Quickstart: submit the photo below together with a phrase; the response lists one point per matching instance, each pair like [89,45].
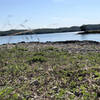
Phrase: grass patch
[49,73]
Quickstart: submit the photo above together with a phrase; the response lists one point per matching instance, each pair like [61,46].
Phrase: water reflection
[49,37]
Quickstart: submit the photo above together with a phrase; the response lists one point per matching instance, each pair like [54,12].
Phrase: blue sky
[48,13]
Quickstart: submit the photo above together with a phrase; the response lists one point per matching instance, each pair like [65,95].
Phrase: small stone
[55,88]
[22,78]
[35,82]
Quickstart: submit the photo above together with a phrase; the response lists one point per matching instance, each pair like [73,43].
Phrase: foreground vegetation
[48,73]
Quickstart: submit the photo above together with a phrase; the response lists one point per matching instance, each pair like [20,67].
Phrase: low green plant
[38,59]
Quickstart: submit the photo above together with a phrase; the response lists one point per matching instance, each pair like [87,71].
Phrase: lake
[49,37]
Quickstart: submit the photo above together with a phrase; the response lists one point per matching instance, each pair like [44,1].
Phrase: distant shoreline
[40,31]
[90,32]
[85,29]
[57,42]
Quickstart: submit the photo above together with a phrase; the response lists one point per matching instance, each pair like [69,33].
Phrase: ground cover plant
[48,73]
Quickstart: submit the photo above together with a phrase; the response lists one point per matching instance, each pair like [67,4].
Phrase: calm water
[49,37]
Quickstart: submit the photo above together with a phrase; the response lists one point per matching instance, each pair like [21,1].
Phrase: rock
[35,82]
[22,78]
[2,83]
[55,88]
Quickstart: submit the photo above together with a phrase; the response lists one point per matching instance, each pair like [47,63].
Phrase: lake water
[49,37]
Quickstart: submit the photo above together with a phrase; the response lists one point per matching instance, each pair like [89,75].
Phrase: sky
[31,14]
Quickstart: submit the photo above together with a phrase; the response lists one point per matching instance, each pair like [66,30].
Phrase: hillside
[40,31]
[86,29]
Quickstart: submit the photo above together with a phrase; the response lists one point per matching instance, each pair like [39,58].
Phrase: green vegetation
[48,73]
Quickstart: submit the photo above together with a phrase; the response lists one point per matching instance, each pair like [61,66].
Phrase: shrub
[38,59]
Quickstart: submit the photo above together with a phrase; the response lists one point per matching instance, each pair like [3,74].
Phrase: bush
[38,59]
